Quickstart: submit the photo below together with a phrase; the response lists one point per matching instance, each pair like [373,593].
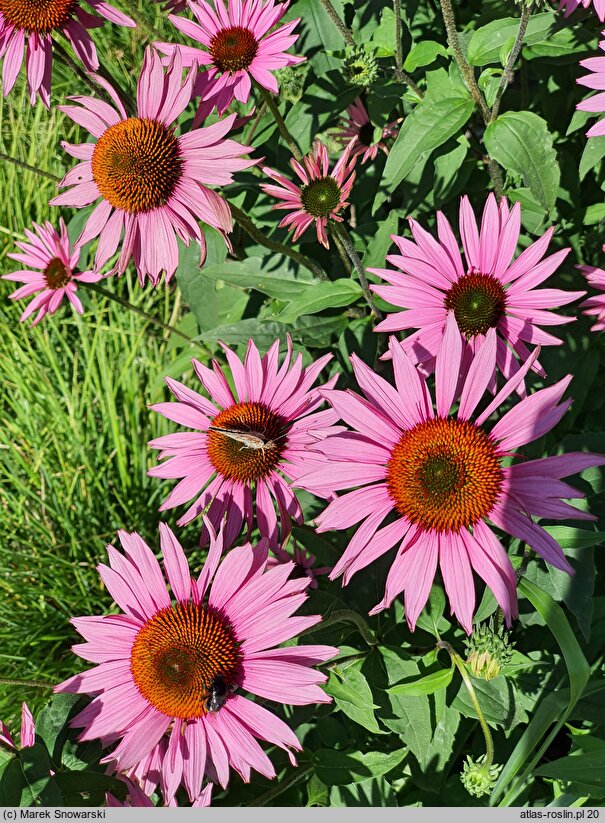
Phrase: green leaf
[429,125]
[77,756]
[353,696]
[497,699]
[423,54]
[583,770]
[251,274]
[486,42]
[321,296]
[380,242]
[87,788]
[554,617]
[521,143]
[262,332]
[376,791]
[429,684]
[41,789]
[431,618]
[593,153]
[341,768]
[51,723]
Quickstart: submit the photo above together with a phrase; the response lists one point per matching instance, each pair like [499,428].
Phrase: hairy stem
[34,684]
[333,15]
[279,248]
[400,75]
[255,123]
[35,169]
[459,663]
[281,125]
[149,317]
[512,59]
[340,231]
[463,64]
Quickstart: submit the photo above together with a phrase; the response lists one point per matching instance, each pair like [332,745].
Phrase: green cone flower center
[478,302]
[320,197]
[56,274]
[233,49]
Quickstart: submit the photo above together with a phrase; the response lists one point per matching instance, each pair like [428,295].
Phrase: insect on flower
[250,439]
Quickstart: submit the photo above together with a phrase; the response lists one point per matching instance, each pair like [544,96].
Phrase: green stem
[463,64]
[281,125]
[400,75]
[507,76]
[35,169]
[459,663]
[341,232]
[333,15]
[496,178]
[275,791]
[34,684]
[149,317]
[254,125]
[279,248]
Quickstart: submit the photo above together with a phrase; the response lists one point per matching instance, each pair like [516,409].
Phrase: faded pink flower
[486,290]
[595,80]
[304,563]
[55,277]
[321,196]
[238,44]
[447,479]
[219,468]
[357,124]
[23,22]
[170,668]
[153,184]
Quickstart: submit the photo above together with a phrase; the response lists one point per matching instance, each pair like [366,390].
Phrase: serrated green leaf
[521,143]
[429,684]
[353,696]
[341,768]
[51,723]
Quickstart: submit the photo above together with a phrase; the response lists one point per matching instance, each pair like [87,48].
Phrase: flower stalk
[343,235]
[281,124]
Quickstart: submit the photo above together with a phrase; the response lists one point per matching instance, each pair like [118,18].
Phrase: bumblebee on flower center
[234,48]
[320,197]
[444,474]
[136,165]
[40,16]
[246,441]
[178,655]
[478,302]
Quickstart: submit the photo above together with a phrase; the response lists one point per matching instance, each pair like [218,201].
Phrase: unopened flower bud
[477,778]
[488,651]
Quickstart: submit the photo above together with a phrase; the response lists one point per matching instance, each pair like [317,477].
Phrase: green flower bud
[477,778]
[488,651]
[361,67]
[291,82]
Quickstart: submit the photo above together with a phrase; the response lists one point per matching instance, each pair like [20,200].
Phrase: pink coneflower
[153,184]
[237,45]
[170,667]
[55,277]
[304,563]
[28,731]
[442,477]
[595,306]
[570,6]
[323,192]
[595,80]
[34,22]
[259,433]
[357,124]
[484,291]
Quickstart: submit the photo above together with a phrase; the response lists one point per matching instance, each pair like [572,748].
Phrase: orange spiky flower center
[137,164]
[40,16]
[56,274]
[478,302]
[444,474]
[233,49]
[251,443]
[179,653]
